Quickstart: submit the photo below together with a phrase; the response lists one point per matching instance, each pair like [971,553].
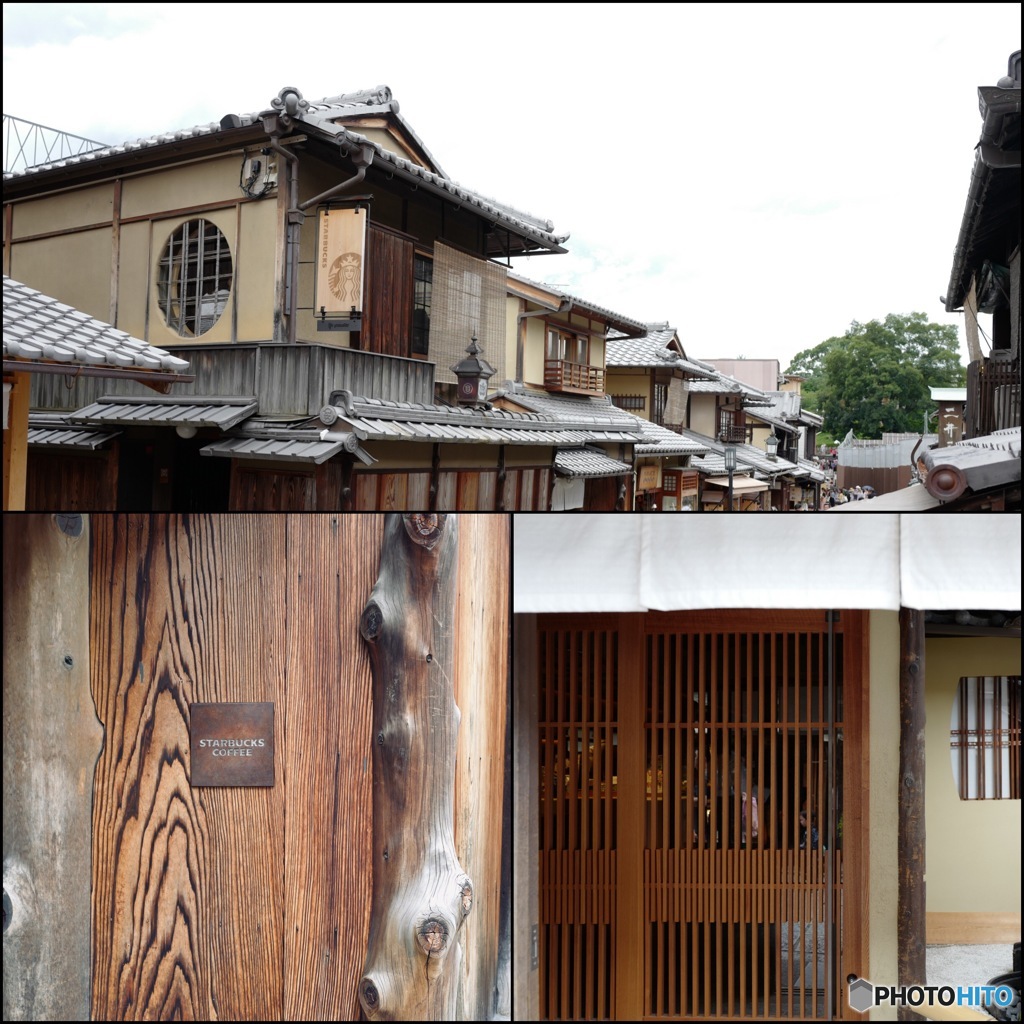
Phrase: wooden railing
[993,397]
[561,375]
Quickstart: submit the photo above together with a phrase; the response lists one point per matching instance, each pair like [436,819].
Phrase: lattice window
[660,401]
[634,403]
[985,738]
[195,274]
[423,286]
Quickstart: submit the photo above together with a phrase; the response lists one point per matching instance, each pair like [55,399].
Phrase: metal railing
[27,144]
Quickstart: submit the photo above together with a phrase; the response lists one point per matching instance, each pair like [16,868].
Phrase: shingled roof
[322,119]
[43,335]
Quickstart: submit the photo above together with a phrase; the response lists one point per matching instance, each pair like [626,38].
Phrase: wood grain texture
[421,894]
[330,566]
[187,895]
[248,903]
[238,902]
[481,656]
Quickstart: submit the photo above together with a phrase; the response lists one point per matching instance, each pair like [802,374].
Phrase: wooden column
[911,833]
[16,441]
[526,838]
[421,895]
[51,740]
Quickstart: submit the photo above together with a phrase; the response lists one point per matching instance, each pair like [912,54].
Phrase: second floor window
[423,286]
[195,278]
[567,346]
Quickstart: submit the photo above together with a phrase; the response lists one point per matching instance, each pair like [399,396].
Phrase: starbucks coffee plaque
[232,744]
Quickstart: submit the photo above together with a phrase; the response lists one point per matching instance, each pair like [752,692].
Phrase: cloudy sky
[758,175]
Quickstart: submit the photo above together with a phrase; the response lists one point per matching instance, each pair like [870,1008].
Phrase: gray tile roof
[597,412]
[660,440]
[747,456]
[201,412]
[589,463]
[602,311]
[717,386]
[42,334]
[652,351]
[374,419]
[319,117]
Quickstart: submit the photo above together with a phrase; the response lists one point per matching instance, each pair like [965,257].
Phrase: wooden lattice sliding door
[698,773]
[578,697]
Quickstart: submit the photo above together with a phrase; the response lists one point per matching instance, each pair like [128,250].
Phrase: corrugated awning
[62,437]
[739,483]
[588,462]
[220,412]
[274,449]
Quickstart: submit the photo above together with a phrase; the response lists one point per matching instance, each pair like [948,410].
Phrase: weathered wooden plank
[481,668]
[187,898]
[330,567]
[51,740]
[910,912]
[421,893]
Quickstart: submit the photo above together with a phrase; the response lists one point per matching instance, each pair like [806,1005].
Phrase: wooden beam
[16,441]
[974,353]
[910,914]
[421,894]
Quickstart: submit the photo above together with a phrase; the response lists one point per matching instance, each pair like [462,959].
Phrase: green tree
[875,378]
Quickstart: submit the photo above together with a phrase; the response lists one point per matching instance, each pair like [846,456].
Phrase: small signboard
[341,257]
[232,744]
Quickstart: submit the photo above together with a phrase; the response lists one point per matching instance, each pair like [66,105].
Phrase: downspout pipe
[362,157]
[294,224]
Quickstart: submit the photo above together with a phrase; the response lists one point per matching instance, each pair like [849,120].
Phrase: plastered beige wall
[702,414]
[64,211]
[533,351]
[182,187]
[973,846]
[73,268]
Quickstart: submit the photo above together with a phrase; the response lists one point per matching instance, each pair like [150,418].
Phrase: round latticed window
[195,278]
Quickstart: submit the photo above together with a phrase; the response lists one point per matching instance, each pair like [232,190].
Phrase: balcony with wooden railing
[736,433]
[993,397]
[576,378]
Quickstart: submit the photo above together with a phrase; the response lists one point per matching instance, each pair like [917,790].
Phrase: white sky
[757,175]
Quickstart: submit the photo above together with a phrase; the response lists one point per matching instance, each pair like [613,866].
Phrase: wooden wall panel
[254,903]
[481,659]
[387,313]
[329,568]
[187,891]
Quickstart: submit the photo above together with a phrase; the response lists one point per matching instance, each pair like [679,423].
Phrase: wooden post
[421,895]
[51,740]
[911,834]
[526,835]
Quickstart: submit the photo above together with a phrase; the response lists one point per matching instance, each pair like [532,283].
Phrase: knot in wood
[373,622]
[425,529]
[370,995]
[467,896]
[433,937]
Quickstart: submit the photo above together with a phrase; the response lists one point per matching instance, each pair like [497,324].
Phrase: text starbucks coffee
[232,747]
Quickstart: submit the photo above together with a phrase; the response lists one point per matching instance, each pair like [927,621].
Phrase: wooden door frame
[631,628]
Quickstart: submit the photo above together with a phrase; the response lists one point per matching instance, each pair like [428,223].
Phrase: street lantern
[771,446]
[473,373]
[730,468]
